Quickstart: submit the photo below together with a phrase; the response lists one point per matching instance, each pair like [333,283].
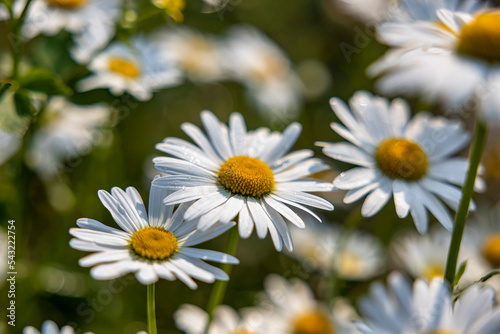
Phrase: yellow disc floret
[124,67]
[491,249]
[481,37]
[67,4]
[154,243]
[313,323]
[246,176]
[402,159]
[433,270]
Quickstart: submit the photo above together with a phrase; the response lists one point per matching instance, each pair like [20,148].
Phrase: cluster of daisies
[231,178]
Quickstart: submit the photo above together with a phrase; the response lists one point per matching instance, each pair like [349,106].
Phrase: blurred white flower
[454,60]
[427,309]
[215,5]
[138,69]
[50,327]
[152,244]
[424,256]
[198,55]
[408,159]
[258,63]
[193,320]
[353,256]
[67,131]
[9,144]
[290,307]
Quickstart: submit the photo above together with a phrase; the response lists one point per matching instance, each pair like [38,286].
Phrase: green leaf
[460,273]
[23,104]
[10,120]
[4,86]
[41,80]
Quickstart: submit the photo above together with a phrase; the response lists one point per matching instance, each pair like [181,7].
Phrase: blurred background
[329,48]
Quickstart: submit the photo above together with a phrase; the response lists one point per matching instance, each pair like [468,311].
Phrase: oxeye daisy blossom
[290,307]
[427,308]
[409,159]
[154,244]
[354,256]
[233,172]
[454,60]
[193,320]
[138,69]
[50,327]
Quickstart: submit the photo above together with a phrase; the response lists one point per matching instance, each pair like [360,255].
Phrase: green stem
[151,310]
[16,39]
[220,287]
[463,209]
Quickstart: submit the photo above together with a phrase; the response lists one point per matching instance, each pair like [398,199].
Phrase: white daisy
[258,63]
[50,327]
[357,256]
[290,307]
[198,55]
[9,145]
[454,60]
[68,131]
[233,172]
[410,159]
[138,69]
[193,320]
[425,256]
[52,16]
[154,245]
[427,309]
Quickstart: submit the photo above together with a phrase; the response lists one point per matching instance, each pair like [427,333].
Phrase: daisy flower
[232,172]
[173,8]
[357,256]
[425,256]
[138,69]
[50,327]
[9,144]
[91,20]
[193,320]
[259,64]
[198,55]
[454,60]
[154,245]
[408,159]
[290,307]
[68,131]
[428,308]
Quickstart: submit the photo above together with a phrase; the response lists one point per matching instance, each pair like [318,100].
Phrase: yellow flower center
[433,270]
[313,323]
[195,49]
[350,264]
[246,176]
[402,159]
[491,249]
[154,243]
[67,4]
[481,37]
[271,67]
[124,67]
[173,8]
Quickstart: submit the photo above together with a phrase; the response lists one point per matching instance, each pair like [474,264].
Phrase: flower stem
[16,39]
[151,309]
[219,289]
[463,209]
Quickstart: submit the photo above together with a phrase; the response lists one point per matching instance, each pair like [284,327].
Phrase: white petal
[103,257]
[147,274]
[218,134]
[285,211]
[259,216]
[99,237]
[355,178]
[190,194]
[245,222]
[205,204]
[305,198]
[237,133]
[348,153]
[402,198]
[377,199]
[209,255]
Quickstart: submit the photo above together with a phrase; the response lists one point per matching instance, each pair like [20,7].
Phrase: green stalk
[151,310]
[220,287]
[463,209]
[15,40]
